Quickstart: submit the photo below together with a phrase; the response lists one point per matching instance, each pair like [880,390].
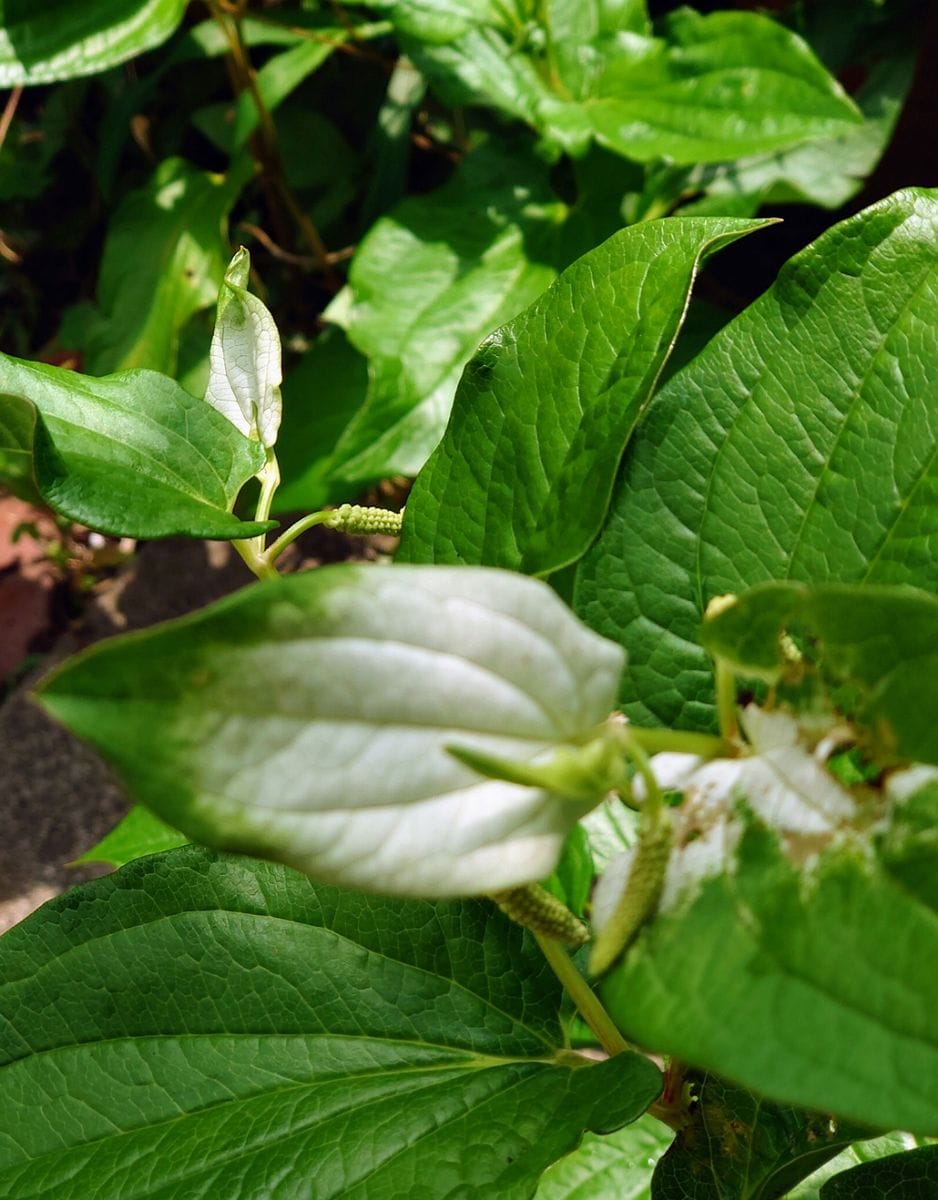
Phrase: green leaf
[201,1025]
[612,829]
[584,37]
[572,880]
[523,475]
[58,39]
[130,454]
[883,641]
[721,86]
[428,282]
[17,426]
[164,259]
[391,146]
[757,461]
[321,395]
[308,719]
[139,833]
[859,1152]
[618,1165]
[827,171]
[776,977]
[485,66]
[278,77]
[740,1147]
[910,849]
[441,20]
[714,88]
[912,1175]
[245,373]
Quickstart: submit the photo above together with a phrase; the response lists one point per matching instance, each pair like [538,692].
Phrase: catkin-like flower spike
[361,519]
[536,909]
[639,899]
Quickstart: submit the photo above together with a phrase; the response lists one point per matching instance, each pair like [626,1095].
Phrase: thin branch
[265,139]
[296,260]
[9,112]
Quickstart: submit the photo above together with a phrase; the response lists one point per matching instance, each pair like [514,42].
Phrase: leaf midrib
[87,947]
[225,1156]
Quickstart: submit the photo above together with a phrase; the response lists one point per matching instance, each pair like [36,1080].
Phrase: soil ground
[57,799]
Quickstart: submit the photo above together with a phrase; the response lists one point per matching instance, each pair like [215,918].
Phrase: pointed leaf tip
[244,362]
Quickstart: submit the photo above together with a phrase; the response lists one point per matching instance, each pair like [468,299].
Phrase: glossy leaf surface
[758,460]
[523,475]
[618,1165]
[429,281]
[776,978]
[131,454]
[139,833]
[720,87]
[244,1034]
[308,719]
[17,425]
[57,39]
[713,88]
[825,171]
[164,259]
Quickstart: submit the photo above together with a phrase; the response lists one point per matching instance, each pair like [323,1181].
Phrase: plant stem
[269,476]
[265,142]
[726,701]
[673,1114]
[654,801]
[583,996]
[257,563]
[276,548]
[704,745]
[253,550]
[9,112]
[349,518]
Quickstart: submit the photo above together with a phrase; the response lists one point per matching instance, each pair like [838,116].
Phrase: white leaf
[307,719]
[244,361]
[783,784]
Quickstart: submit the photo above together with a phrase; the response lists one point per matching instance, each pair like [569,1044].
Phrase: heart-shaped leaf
[308,719]
[523,475]
[203,1025]
[131,454]
[757,461]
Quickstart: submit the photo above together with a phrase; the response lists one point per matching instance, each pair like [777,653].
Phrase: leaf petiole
[583,996]
[680,741]
[252,550]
